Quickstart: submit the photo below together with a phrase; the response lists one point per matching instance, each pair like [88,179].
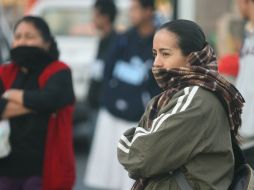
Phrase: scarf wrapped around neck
[201,71]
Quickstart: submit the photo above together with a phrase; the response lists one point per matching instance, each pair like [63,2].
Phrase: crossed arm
[14,106]
[57,93]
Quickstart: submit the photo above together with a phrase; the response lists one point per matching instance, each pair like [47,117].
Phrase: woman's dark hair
[190,36]
[44,30]
[107,7]
[147,3]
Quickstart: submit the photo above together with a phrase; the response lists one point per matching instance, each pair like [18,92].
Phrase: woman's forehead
[166,38]
[26,26]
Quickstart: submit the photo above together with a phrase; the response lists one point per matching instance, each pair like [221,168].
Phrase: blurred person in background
[37,100]
[127,87]
[104,15]
[244,81]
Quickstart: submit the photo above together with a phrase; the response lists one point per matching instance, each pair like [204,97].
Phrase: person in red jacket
[37,100]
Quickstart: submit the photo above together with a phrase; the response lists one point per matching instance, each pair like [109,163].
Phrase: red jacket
[59,162]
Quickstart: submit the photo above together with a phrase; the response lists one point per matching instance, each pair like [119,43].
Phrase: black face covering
[30,57]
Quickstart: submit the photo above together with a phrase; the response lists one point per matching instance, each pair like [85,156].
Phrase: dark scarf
[201,71]
[30,57]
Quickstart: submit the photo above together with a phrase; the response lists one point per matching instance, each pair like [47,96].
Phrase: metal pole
[175,9]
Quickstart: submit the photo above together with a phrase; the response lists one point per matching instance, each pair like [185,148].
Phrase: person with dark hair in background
[183,140]
[104,15]
[245,77]
[244,80]
[37,100]
[128,85]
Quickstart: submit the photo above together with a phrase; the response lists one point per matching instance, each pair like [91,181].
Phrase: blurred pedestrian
[37,100]
[183,135]
[104,14]
[244,81]
[127,87]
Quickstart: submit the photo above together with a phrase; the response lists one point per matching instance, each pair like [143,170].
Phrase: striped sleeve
[172,140]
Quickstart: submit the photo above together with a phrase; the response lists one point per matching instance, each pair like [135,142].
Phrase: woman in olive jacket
[186,129]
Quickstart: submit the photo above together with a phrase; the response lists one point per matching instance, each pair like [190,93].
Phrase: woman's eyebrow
[163,49]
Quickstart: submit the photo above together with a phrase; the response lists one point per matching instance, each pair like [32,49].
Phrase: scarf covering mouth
[204,60]
[30,57]
[201,71]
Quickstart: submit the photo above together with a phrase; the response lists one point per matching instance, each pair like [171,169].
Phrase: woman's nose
[157,62]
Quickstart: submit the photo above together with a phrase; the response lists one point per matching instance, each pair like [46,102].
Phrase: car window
[68,21]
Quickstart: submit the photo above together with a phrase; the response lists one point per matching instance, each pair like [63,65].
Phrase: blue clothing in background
[129,83]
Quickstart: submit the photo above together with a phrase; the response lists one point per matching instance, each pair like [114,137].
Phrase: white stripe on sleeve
[123,148]
[161,118]
[193,92]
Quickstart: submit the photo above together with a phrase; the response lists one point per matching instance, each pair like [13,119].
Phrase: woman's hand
[15,106]
[14,109]
[14,95]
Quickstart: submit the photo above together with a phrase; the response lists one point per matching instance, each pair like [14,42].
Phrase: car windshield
[67,21]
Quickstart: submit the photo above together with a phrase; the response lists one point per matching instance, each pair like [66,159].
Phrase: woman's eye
[16,37]
[30,36]
[165,54]
[154,55]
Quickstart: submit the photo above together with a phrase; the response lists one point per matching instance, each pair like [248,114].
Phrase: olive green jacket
[192,133]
